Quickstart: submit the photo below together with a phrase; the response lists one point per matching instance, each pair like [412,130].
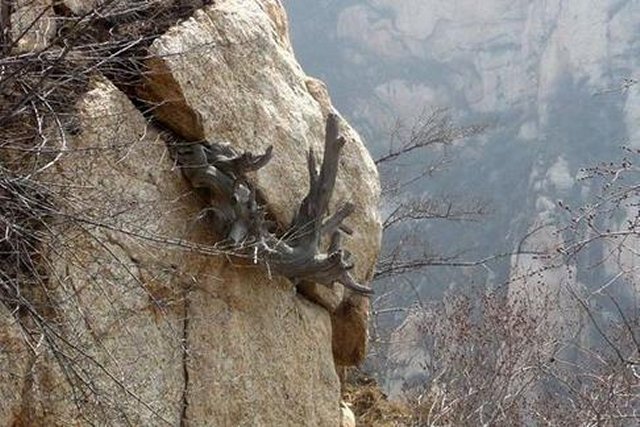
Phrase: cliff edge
[135,318]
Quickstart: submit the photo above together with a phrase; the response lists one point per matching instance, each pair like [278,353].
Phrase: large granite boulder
[138,319]
[229,74]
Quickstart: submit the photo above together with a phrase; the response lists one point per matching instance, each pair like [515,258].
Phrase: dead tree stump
[297,253]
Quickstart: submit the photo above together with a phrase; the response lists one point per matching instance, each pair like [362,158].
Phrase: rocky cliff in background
[549,77]
[140,321]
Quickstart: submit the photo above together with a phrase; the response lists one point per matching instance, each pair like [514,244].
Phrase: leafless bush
[48,55]
[494,358]
[431,135]
[415,153]
[481,360]
[482,356]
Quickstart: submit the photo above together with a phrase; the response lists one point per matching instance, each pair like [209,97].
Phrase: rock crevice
[147,322]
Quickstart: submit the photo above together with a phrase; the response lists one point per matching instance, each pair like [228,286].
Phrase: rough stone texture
[145,322]
[260,355]
[118,298]
[142,323]
[81,7]
[26,35]
[350,324]
[229,74]
[13,367]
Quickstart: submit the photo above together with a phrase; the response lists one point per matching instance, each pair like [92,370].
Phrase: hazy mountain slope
[549,75]
[546,73]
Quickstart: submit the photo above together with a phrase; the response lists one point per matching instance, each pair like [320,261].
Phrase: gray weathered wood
[297,253]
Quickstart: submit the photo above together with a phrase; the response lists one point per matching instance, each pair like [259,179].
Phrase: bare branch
[433,129]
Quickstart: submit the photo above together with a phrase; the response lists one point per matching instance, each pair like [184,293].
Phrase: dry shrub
[38,91]
[370,404]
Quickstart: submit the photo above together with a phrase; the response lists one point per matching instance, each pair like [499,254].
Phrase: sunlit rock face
[250,91]
[143,321]
[160,333]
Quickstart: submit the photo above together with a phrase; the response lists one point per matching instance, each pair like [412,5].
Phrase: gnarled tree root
[297,253]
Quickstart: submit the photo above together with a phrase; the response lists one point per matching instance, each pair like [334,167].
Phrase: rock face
[148,324]
[13,366]
[229,74]
[162,332]
[32,24]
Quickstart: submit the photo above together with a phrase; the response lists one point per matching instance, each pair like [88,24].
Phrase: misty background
[553,80]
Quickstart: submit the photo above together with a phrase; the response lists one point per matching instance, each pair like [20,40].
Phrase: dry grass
[371,405]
